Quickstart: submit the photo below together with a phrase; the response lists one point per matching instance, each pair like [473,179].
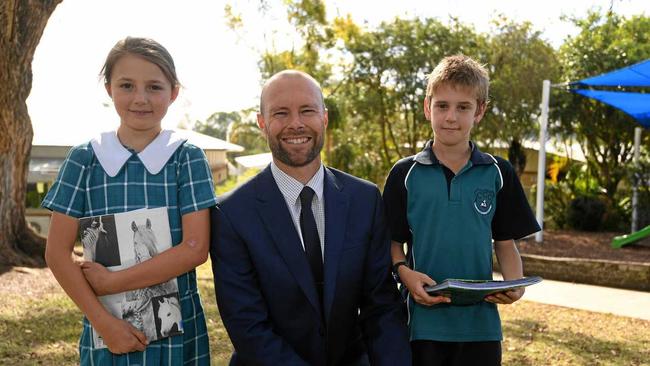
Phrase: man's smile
[296,140]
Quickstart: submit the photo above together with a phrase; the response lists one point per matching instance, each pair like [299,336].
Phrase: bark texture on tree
[21,26]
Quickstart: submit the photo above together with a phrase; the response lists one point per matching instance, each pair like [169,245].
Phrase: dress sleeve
[68,193]
[195,185]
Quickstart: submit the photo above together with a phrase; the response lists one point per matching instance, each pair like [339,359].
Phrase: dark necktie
[311,239]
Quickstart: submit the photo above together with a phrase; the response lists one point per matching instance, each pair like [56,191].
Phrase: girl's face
[141,93]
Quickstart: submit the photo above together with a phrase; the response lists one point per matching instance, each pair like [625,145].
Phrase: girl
[139,165]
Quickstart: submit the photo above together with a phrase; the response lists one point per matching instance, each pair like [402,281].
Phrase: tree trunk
[517,157]
[21,26]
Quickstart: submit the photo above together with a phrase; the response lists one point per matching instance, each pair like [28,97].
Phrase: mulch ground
[588,245]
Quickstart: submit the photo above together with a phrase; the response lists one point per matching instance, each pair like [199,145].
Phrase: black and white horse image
[169,315]
[90,236]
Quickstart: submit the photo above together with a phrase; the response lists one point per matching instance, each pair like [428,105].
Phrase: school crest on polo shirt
[483,201]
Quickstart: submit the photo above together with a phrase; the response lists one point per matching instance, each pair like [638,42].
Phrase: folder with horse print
[120,241]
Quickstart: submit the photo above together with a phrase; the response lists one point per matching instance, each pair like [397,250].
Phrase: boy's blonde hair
[463,71]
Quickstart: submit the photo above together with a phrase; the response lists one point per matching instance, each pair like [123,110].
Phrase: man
[301,254]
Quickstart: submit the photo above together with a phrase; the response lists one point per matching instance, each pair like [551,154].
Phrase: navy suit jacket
[266,293]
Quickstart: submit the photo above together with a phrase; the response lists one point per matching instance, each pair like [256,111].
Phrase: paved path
[634,304]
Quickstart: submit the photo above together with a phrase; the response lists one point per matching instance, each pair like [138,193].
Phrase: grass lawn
[43,329]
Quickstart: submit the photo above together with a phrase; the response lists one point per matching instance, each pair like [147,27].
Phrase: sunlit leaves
[606,42]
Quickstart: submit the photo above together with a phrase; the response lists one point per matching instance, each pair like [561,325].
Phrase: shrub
[557,199]
[33,199]
[586,213]
[573,181]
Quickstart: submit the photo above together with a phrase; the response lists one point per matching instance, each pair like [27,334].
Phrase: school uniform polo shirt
[449,221]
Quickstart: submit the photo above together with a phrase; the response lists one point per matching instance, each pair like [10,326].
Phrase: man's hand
[121,337]
[507,297]
[98,277]
[415,282]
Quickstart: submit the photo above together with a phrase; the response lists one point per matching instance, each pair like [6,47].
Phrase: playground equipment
[619,241]
[636,105]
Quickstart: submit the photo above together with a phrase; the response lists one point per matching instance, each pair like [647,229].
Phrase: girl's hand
[415,282]
[507,297]
[98,277]
[121,337]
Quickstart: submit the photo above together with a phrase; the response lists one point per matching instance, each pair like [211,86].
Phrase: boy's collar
[112,155]
[427,157]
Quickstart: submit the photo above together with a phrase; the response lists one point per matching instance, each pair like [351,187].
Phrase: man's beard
[284,156]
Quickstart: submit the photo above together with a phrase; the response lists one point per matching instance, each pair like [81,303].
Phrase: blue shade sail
[635,75]
[636,105]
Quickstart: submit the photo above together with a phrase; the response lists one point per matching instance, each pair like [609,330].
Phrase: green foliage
[33,199]
[349,156]
[606,42]
[237,127]
[374,81]
[557,199]
[558,196]
[247,133]
[518,61]
[380,80]
[309,19]
[577,194]
[385,82]
[217,124]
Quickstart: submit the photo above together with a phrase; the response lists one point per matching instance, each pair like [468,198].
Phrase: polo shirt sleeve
[68,193]
[195,185]
[395,201]
[513,218]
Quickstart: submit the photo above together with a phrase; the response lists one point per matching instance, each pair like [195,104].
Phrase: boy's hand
[415,282]
[121,337]
[98,277]
[507,297]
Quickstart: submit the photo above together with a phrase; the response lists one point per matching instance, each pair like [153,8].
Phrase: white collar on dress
[112,155]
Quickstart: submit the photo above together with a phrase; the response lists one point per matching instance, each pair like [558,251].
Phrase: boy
[448,202]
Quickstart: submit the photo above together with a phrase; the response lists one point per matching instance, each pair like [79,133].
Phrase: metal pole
[635,188]
[541,162]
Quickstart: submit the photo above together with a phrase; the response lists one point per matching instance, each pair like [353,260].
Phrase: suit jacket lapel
[336,212]
[275,215]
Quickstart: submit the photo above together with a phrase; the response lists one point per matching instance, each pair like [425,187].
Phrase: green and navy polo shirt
[449,221]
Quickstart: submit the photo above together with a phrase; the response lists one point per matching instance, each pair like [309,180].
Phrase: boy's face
[453,111]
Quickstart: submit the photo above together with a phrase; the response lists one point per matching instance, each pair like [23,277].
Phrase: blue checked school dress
[183,184]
